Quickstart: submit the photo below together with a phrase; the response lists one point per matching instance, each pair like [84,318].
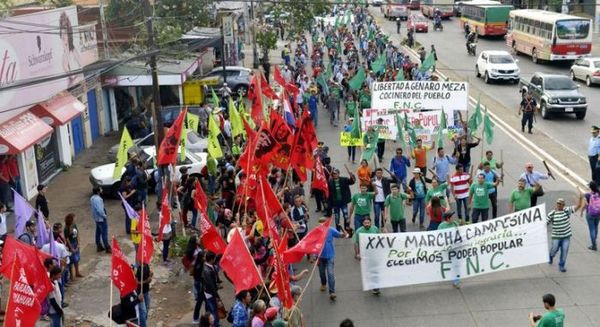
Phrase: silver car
[238,79]
[586,69]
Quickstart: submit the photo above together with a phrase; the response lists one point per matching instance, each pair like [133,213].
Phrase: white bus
[446,7]
[551,36]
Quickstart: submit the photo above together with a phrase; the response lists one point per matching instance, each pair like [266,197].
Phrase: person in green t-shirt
[438,190]
[479,198]
[366,228]
[448,222]
[489,157]
[553,318]
[361,206]
[394,208]
[520,198]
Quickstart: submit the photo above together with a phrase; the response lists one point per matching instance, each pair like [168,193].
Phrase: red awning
[22,131]
[58,110]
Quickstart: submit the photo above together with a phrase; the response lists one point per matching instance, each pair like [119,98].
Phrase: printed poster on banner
[408,96]
[396,259]
[426,123]
[347,140]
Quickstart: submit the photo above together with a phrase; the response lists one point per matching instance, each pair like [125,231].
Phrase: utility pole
[104,31]
[159,133]
[223,64]
[254,48]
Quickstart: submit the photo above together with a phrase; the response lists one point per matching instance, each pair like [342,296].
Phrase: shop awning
[22,131]
[58,110]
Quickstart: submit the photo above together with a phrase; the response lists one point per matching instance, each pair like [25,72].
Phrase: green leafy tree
[266,40]
[58,3]
[5,6]
[301,14]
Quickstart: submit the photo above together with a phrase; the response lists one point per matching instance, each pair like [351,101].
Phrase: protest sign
[425,123]
[395,259]
[408,96]
[347,140]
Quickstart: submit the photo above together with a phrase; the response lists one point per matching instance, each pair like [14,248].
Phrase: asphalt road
[450,45]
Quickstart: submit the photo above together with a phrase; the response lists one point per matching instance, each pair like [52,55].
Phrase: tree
[5,7]
[58,3]
[301,14]
[267,40]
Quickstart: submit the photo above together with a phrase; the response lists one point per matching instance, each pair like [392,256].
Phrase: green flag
[488,128]
[412,135]
[328,71]
[182,142]
[355,131]
[321,80]
[370,35]
[400,75]
[400,135]
[441,128]
[124,145]
[358,79]
[214,147]
[192,121]
[215,99]
[328,42]
[371,145]
[475,120]
[428,63]
[378,66]
[237,127]
[337,22]
[347,17]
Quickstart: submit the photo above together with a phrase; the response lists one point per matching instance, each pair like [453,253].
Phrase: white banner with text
[396,259]
[420,95]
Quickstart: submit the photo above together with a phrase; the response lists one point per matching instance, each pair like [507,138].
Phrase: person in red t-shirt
[13,171]
[435,211]
[4,180]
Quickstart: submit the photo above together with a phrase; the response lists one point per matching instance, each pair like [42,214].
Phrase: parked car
[418,23]
[586,69]
[103,175]
[377,3]
[238,78]
[497,65]
[414,5]
[194,143]
[555,94]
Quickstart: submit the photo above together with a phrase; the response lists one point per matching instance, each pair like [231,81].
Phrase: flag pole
[262,280]
[110,302]
[12,277]
[482,137]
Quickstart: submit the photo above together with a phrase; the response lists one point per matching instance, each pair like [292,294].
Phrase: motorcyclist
[467,30]
[471,39]
[437,19]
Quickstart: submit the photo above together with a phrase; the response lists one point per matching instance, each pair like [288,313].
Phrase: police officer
[528,106]
[398,25]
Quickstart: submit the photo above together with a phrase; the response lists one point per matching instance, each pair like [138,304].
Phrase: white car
[586,69]
[103,175]
[376,3]
[497,65]
[194,143]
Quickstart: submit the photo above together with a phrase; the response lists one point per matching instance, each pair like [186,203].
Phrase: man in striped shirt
[459,184]
[559,220]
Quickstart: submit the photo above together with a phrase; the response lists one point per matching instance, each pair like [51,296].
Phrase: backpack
[594,205]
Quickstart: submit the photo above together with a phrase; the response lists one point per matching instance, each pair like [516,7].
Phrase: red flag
[165,213]
[146,248]
[281,276]
[23,308]
[256,98]
[304,144]
[32,260]
[312,243]
[200,201]
[167,153]
[239,265]
[284,137]
[266,89]
[278,77]
[320,182]
[268,207]
[210,237]
[122,274]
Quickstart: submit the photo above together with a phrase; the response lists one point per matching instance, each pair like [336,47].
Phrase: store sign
[228,29]
[409,96]
[29,52]
[395,259]
[47,158]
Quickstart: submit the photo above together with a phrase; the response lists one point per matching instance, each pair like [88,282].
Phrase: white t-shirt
[2,223]
[379,195]
[63,253]
[55,294]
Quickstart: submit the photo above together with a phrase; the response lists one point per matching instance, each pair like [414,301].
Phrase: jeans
[343,208]
[401,181]
[142,196]
[358,221]
[351,153]
[527,119]
[165,249]
[5,193]
[593,161]
[378,209]
[199,299]
[314,116]
[127,223]
[55,320]
[593,228]
[335,115]
[319,199]
[433,225]
[563,244]
[326,273]
[494,200]
[102,234]
[460,204]
[211,306]
[380,150]
[419,206]
[143,311]
[483,213]
[399,224]
[16,184]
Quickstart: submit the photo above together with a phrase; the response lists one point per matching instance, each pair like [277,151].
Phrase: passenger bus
[485,17]
[444,6]
[546,35]
[393,9]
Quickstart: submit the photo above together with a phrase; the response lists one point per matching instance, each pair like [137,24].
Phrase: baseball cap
[416,171]
[560,200]
[29,223]
[271,312]
[447,214]
[595,128]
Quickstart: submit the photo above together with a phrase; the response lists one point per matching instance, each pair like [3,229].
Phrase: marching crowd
[334,72]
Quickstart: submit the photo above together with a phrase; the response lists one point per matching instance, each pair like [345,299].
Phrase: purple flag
[53,249]
[42,232]
[131,213]
[23,212]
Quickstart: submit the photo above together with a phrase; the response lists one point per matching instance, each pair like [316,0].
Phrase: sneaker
[456,283]
[99,248]
[195,321]
[332,296]
[322,288]
[108,250]
[376,291]
[592,247]
[65,304]
[550,260]
[562,269]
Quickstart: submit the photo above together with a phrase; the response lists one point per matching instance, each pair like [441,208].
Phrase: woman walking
[592,207]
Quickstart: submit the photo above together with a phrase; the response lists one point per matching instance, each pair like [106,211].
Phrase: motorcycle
[437,25]
[472,48]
